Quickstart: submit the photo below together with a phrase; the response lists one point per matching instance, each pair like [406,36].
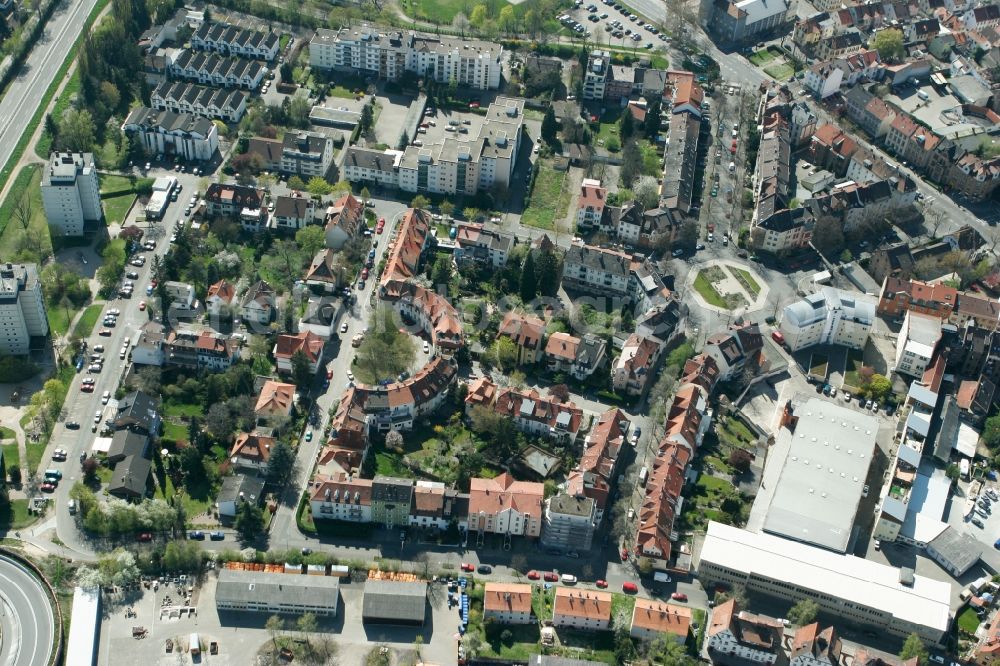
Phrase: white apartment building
[918,338]
[830,316]
[595,269]
[507,603]
[174,134]
[589,610]
[22,308]
[454,166]
[71,193]
[469,62]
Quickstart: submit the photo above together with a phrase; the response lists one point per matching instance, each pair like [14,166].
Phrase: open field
[549,199]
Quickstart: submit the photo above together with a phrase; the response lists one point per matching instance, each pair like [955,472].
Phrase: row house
[986,16]
[831,148]
[287,346]
[251,452]
[573,515]
[325,272]
[259,305]
[220,297]
[372,166]
[592,269]
[865,166]
[343,221]
[680,160]
[212,103]
[342,496]
[432,312]
[237,202]
[216,70]
[293,212]
[784,231]
[407,251]
[476,245]
[504,506]
[527,333]
[736,638]
[981,310]
[632,371]
[856,205]
[507,603]
[387,55]
[305,154]
[812,647]
[869,112]
[347,446]
[435,505]
[735,348]
[180,135]
[203,350]
[900,296]
[644,229]
[235,41]
[530,412]
[653,619]
[275,402]
[579,357]
[582,610]
[396,406]
[839,46]
[591,203]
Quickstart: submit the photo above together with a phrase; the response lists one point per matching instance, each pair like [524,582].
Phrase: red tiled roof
[308,342]
[223,290]
[252,447]
[492,496]
[275,398]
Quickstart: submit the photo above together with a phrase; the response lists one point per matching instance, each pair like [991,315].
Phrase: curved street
[25,617]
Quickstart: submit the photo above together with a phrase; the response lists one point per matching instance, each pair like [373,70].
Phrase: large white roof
[824,474]
[862,582]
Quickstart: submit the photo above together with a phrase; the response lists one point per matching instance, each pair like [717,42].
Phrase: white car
[350,376]
[105,397]
[343,327]
[97,416]
[427,347]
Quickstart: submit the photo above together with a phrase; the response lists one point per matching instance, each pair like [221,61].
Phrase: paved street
[26,621]
[81,407]
[25,93]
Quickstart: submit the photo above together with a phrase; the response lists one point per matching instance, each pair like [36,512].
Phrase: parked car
[144,537]
[629,587]
[468,567]
[197,535]
[601,583]
[978,523]
[533,575]
[216,536]
[624,554]
[47,487]
[679,596]
[550,576]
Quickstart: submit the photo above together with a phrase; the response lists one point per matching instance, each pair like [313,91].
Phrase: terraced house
[183,135]
[387,55]
[213,103]
[235,41]
[216,70]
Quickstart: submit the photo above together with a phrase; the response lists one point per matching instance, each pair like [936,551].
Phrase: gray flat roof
[256,586]
[960,549]
[392,600]
[824,474]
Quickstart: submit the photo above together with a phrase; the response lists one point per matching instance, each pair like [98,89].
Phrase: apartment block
[830,316]
[71,193]
[182,135]
[304,154]
[586,610]
[387,55]
[22,308]
[504,506]
[507,603]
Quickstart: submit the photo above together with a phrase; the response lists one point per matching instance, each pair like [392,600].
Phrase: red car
[47,487]
[679,596]
[551,576]
[601,584]
[379,227]
[106,332]
[624,554]
[144,537]
[533,575]
[329,374]
[87,388]
[468,567]
[153,283]
[142,305]
[473,105]
[629,587]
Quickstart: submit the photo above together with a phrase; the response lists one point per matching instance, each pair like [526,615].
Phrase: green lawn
[116,208]
[11,455]
[35,452]
[606,131]
[340,91]
[12,234]
[60,319]
[85,324]
[761,58]
[745,279]
[180,409]
[968,621]
[781,72]
[6,433]
[818,365]
[15,515]
[175,431]
[708,292]
[852,373]
[550,199]
[72,89]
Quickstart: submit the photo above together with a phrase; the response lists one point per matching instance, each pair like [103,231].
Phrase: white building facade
[71,193]
[22,308]
[830,316]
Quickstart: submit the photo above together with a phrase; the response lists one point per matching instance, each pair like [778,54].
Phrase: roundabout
[727,286]
[26,617]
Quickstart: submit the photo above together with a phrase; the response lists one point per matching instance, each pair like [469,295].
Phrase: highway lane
[81,407]
[25,93]
[29,635]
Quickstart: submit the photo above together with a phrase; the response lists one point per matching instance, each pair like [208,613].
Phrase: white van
[194,644]
[569,579]
[732,167]
[643,476]
[922,95]
[661,577]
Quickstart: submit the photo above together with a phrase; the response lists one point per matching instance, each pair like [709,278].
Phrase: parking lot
[612,24]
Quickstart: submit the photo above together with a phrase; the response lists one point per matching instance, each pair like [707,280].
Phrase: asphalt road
[81,407]
[26,92]
[26,617]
